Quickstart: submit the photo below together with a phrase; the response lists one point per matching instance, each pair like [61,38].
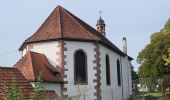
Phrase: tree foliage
[135,75]
[38,89]
[166,58]
[150,58]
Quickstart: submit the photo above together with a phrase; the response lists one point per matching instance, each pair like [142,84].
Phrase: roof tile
[61,24]
[9,75]
[34,64]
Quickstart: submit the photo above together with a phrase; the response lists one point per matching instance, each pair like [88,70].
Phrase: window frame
[118,73]
[86,73]
[107,66]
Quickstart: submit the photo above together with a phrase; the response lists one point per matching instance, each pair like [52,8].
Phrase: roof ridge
[20,59]
[71,15]
[33,69]
[41,26]
[28,54]
[59,8]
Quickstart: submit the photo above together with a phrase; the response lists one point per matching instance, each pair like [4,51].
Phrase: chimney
[124,45]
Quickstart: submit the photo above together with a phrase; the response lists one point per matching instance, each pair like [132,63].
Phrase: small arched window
[80,67]
[118,73]
[107,70]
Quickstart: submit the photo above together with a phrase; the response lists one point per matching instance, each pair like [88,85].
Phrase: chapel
[74,59]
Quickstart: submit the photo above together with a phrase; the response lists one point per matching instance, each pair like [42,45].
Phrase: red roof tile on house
[35,64]
[61,24]
[10,75]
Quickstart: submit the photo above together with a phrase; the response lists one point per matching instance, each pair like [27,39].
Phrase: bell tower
[101,25]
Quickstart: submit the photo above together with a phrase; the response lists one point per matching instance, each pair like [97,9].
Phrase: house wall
[72,89]
[113,91]
[51,86]
[49,49]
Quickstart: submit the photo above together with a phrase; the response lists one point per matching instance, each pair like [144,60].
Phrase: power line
[8,53]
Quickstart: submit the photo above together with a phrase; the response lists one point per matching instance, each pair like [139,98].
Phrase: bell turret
[101,26]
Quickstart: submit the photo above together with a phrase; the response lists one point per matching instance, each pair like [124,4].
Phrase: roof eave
[130,58]
[22,46]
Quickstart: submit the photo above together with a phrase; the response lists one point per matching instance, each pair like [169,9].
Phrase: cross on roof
[100,12]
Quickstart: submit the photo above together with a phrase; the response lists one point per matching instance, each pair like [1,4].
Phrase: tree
[152,66]
[166,58]
[38,89]
[135,75]
[150,58]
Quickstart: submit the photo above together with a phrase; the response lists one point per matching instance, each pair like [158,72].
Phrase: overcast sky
[134,19]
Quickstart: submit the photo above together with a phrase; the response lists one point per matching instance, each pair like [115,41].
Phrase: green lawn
[155,94]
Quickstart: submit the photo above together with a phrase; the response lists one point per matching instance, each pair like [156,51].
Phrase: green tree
[38,89]
[150,58]
[135,75]
[166,58]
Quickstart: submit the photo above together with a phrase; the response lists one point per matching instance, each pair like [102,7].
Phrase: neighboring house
[9,76]
[34,65]
[73,58]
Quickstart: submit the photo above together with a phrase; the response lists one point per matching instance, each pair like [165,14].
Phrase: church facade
[73,59]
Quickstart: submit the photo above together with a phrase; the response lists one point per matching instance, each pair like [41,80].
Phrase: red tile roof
[35,64]
[10,75]
[61,24]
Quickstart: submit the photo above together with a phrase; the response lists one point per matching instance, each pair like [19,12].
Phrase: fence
[151,88]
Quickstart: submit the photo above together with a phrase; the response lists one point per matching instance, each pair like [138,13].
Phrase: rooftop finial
[100,12]
[101,25]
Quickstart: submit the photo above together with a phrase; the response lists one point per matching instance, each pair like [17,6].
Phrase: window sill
[80,83]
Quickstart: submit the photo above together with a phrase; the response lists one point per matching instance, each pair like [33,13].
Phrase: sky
[136,20]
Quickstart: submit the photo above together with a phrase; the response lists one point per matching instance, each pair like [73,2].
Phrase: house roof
[10,75]
[33,65]
[61,24]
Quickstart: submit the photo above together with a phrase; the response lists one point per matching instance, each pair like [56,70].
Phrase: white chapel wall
[126,73]
[114,92]
[49,49]
[71,87]
[108,92]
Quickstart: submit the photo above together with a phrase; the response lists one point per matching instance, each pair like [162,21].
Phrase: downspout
[122,79]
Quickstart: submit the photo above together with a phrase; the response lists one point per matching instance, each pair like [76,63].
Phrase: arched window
[107,70]
[80,67]
[118,73]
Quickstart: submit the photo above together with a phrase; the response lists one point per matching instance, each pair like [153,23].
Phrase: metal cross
[100,12]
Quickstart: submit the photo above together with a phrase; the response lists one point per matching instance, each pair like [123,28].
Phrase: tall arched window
[80,67]
[118,73]
[107,70]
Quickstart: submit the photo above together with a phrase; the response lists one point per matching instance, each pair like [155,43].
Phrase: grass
[155,94]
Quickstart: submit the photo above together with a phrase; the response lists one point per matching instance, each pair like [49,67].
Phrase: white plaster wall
[125,77]
[49,49]
[24,51]
[72,89]
[126,72]
[51,86]
[114,92]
